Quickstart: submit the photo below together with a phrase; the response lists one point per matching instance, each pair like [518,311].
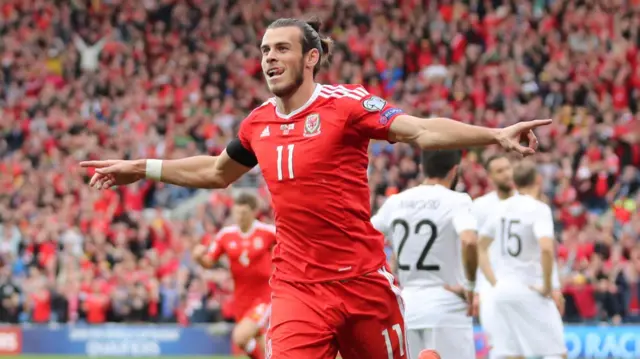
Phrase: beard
[290,89]
[504,187]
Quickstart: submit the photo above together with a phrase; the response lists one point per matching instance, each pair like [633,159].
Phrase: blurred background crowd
[173,78]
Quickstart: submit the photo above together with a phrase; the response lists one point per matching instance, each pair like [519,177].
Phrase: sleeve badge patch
[374,104]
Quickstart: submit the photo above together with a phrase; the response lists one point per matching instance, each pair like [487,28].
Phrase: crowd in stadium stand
[166,79]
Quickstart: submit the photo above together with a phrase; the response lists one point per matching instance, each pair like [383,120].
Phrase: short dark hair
[247,199]
[492,158]
[437,164]
[524,173]
[311,38]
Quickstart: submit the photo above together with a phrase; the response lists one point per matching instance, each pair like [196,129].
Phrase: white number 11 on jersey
[280,149]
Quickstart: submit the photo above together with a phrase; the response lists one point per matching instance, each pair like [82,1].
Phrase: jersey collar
[306,105]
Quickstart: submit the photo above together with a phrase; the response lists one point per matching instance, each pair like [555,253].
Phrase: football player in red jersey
[331,289]
[247,245]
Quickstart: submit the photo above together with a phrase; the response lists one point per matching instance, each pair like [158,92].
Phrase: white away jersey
[484,209]
[423,224]
[518,224]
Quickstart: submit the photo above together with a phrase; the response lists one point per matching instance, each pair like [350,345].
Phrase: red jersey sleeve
[244,133]
[371,115]
[216,248]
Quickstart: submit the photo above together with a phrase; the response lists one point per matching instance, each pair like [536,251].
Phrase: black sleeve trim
[238,153]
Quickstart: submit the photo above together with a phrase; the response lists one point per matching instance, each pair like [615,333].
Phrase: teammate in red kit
[330,289]
[248,246]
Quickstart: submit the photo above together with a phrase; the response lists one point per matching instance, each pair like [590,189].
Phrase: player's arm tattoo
[440,133]
[484,261]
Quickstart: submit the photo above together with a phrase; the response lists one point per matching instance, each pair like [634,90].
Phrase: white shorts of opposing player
[523,323]
[437,319]
[485,314]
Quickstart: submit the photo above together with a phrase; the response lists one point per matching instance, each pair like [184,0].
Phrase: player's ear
[312,58]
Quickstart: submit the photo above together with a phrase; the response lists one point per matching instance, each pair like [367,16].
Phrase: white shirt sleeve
[489,228]
[543,223]
[382,219]
[463,218]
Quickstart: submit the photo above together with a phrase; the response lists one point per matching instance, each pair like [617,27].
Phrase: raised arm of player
[381,120]
[444,133]
[195,172]
[543,230]
[487,234]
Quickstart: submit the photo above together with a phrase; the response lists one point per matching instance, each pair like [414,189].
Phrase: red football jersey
[249,257]
[314,161]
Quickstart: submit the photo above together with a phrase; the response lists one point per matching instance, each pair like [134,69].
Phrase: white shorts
[524,323]
[450,343]
[485,310]
[485,314]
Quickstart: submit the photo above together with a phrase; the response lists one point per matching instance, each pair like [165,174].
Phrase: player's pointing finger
[536,123]
[96,164]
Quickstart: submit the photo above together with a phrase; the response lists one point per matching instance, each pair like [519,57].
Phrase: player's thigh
[252,324]
[298,328]
[374,327]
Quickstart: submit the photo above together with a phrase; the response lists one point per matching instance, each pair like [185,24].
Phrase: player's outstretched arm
[443,133]
[195,172]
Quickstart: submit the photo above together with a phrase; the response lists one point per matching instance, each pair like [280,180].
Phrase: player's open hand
[113,173]
[468,296]
[512,137]
[475,306]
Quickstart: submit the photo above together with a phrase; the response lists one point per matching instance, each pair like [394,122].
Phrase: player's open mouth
[275,72]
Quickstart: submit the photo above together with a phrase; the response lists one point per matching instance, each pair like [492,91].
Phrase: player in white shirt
[500,173]
[525,320]
[434,241]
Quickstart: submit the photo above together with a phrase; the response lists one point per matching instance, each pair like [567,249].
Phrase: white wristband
[469,286]
[153,170]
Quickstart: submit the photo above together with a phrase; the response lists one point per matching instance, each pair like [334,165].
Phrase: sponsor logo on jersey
[233,245]
[373,104]
[388,114]
[265,132]
[312,125]
[285,128]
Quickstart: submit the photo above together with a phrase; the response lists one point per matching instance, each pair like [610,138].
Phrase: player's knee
[241,336]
